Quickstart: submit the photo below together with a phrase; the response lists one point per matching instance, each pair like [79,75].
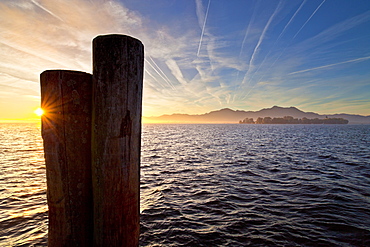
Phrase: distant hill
[231,116]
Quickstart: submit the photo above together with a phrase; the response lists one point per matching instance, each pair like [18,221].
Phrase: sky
[200,55]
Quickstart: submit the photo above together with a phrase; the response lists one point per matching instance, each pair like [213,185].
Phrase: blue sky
[200,55]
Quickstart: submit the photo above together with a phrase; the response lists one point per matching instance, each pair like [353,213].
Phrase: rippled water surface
[217,185]
[23,208]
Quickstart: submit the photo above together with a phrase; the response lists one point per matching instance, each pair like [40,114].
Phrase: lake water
[217,185]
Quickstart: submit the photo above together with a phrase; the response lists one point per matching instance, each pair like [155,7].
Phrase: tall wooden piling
[116,130]
[66,130]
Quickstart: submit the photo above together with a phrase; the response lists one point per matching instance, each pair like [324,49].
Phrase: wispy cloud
[176,71]
[331,65]
[40,35]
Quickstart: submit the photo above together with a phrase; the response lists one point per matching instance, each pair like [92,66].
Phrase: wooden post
[66,130]
[117,95]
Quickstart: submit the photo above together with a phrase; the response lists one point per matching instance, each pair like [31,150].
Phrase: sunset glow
[200,55]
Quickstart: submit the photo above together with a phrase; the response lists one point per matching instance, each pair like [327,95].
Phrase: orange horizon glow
[147,120]
[21,120]
[39,112]
[144,121]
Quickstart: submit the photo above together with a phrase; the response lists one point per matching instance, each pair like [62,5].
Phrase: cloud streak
[309,18]
[159,71]
[290,21]
[204,27]
[247,31]
[45,9]
[256,50]
[331,65]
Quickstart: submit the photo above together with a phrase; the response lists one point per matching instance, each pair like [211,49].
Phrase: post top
[116,37]
[64,71]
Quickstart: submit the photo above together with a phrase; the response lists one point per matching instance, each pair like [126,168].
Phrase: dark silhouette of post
[116,136]
[66,130]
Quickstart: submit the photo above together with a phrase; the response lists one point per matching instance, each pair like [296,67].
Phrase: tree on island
[247,121]
[291,120]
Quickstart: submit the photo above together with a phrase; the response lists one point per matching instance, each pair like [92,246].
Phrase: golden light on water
[39,112]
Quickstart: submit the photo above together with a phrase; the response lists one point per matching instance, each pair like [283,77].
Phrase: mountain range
[227,115]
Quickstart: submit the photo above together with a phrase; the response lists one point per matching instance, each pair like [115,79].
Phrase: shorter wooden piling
[66,130]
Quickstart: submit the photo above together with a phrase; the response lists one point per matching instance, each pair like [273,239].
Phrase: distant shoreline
[227,115]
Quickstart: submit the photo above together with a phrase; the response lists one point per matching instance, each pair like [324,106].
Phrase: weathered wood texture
[66,130]
[118,63]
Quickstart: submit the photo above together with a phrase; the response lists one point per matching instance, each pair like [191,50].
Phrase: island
[291,120]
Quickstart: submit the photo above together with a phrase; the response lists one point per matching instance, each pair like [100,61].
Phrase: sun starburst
[39,112]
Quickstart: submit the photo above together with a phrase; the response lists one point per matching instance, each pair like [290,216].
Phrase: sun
[39,112]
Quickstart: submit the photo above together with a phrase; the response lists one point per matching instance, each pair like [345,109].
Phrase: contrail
[309,18]
[263,33]
[330,65]
[282,32]
[164,74]
[160,72]
[291,19]
[45,9]
[154,78]
[256,48]
[204,26]
[247,32]
[250,90]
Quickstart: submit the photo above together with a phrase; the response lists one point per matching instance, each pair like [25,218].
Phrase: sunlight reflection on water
[23,214]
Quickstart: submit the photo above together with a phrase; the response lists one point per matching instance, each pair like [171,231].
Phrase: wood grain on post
[66,130]
[118,62]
